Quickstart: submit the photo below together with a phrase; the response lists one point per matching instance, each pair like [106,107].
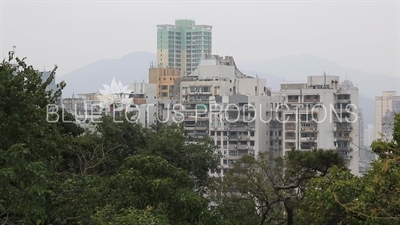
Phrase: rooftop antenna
[15,60]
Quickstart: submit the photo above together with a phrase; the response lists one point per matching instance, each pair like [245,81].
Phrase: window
[164,94]
[164,87]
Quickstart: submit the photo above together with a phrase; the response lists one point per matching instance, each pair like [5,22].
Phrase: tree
[266,190]
[28,143]
[246,194]
[372,199]
[325,199]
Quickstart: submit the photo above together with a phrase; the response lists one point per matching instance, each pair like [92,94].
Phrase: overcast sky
[361,35]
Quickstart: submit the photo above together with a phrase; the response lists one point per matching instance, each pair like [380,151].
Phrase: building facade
[369,135]
[181,46]
[385,105]
[164,79]
[214,77]
[321,114]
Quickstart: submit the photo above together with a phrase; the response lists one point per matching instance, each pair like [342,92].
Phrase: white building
[321,114]
[237,127]
[214,76]
[147,93]
[369,135]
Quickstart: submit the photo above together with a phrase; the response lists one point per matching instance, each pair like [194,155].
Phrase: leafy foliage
[266,190]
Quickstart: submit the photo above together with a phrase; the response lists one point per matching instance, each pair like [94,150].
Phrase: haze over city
[362,35]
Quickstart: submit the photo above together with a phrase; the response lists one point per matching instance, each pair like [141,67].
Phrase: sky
[362,35]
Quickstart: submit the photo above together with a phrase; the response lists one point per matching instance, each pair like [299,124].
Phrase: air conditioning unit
[247,147]
[248,138]
[246,128]
[308,138]
[235,146]
[240,137]
[302,128]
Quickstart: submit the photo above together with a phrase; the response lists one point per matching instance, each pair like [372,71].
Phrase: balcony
[289,126]
[308,139]
[347,157]
[290,137]
[290,118]
[342,128]
[344,148]
[309,129]
[243,147]
[343,100]
[344,138]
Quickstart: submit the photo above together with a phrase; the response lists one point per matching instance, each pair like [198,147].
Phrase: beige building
[386,104]
[164,78]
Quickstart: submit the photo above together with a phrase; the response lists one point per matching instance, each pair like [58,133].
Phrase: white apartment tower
[321,114]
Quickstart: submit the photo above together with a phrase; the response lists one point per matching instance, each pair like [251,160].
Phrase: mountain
[90,78]
[134,67]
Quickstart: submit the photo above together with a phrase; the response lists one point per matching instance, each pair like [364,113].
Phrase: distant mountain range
[134,68]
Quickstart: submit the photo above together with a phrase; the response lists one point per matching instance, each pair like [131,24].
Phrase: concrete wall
[248,86]
[149,90]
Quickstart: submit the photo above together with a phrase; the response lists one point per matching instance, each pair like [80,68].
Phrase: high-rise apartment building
[385,106]
[321,114]
[214,77]
[369,135]
[182,45]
